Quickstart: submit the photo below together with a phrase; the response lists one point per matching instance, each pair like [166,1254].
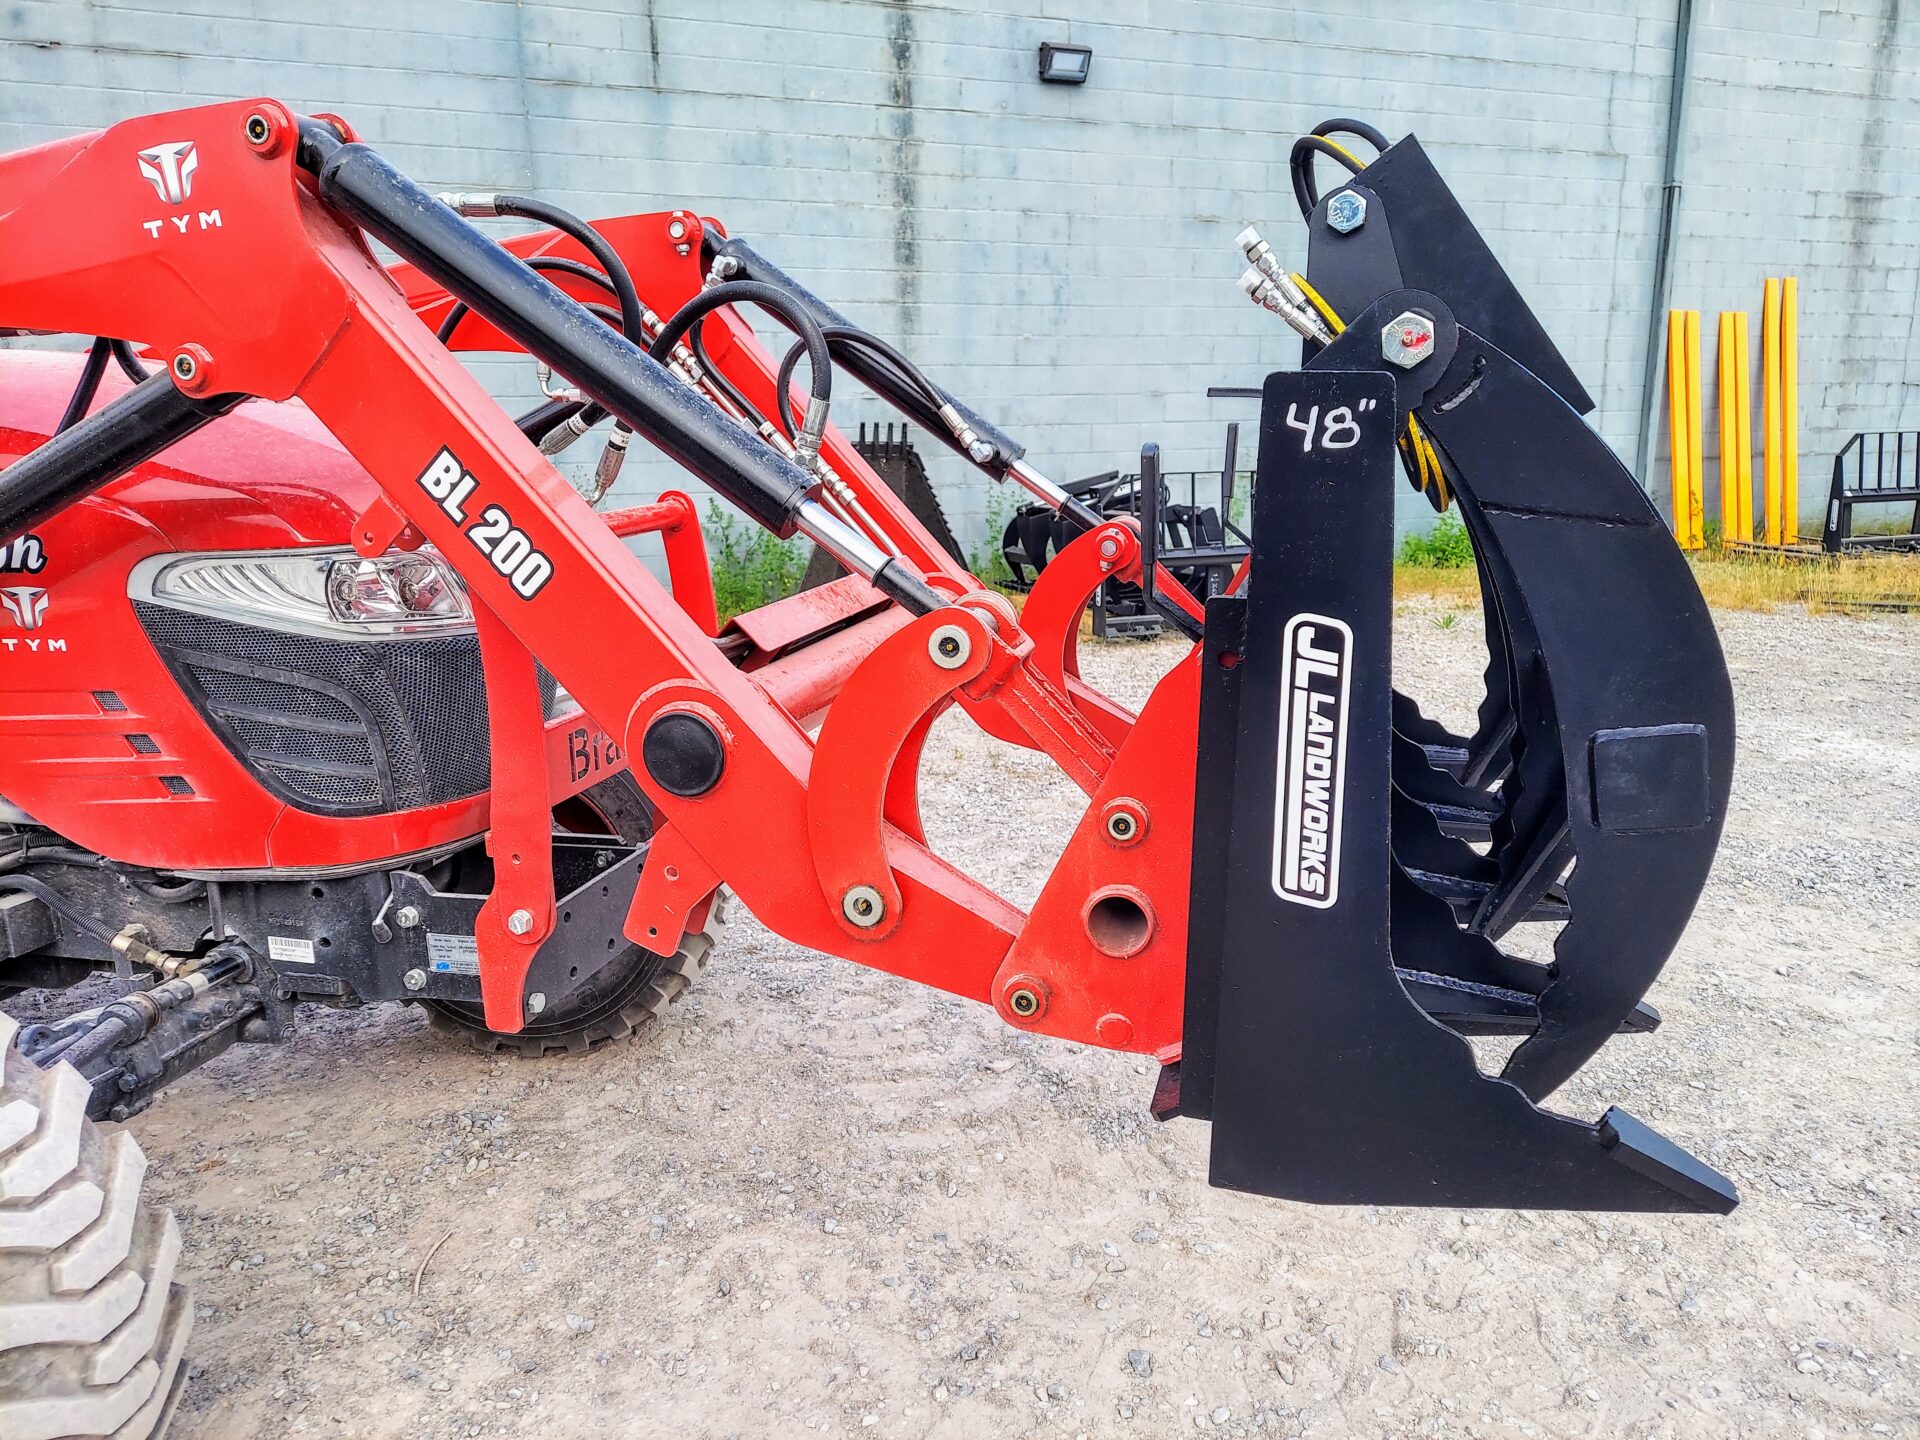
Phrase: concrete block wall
[1062,256]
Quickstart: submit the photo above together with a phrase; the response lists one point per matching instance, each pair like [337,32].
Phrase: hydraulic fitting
[474,207]
[611,459]
[978,450]
[564,434]
[1260,254]
[1270,296]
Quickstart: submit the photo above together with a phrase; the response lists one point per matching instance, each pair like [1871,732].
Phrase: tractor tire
[623,998]
[93,1325]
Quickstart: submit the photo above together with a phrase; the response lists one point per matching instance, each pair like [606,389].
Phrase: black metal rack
[1875,467]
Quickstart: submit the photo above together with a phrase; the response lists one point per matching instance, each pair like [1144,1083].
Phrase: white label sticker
[453,954]
[289,950]
[1315,677]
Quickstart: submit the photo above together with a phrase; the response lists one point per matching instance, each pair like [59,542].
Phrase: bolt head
[520,922]
[1407,339]
[536,1002]
[407,916]
[949,647]
[414,979]
[864,906]
[1346,212]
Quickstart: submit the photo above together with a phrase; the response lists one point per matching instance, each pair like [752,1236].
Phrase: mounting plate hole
[1118,924]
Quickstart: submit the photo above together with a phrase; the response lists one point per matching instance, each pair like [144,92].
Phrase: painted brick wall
[1062,256]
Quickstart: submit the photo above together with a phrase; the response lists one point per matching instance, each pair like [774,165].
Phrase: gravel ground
[824,1201]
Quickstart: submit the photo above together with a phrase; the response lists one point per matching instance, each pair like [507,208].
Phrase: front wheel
[622,998]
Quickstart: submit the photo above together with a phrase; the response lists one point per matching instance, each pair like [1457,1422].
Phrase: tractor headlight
[332,592]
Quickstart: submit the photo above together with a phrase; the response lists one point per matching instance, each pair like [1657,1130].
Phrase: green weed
[750,567]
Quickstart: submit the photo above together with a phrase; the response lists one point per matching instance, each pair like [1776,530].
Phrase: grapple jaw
[1355,864]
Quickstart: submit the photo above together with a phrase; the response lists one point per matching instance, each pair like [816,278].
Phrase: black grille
[339,727]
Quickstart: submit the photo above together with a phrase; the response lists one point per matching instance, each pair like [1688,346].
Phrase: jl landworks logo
[1316,677]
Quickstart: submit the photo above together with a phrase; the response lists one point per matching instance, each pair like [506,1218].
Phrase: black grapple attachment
[1354,862]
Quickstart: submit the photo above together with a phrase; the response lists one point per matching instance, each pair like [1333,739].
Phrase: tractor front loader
[321,684]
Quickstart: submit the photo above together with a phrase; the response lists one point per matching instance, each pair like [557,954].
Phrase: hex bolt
[414,979]
[407,916]
[520,922]
[864,906]
[1346,212]
[949,646]
[1407,339]
[1024,1002]
[536,1002]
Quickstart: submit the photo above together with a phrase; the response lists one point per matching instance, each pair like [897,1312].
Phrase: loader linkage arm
[1302,933]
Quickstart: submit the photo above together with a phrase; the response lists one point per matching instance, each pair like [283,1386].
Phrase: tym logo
[27,604]
[1315,677]
[169,169]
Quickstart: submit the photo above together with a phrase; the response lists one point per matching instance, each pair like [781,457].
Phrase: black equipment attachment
[1354,862]
[1877,467]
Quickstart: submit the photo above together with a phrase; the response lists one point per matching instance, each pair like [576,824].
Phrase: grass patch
[1443,547]
[750,567]
[988,561]
[1729,580]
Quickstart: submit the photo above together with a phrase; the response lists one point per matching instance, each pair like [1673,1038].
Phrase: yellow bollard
[1770,407]
[1696,437]
[1678,447]
[1729,411]
[1789,411]
[1743,423]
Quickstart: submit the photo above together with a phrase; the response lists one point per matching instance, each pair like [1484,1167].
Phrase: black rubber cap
[683,754]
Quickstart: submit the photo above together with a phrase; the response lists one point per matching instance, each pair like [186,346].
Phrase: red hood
[267,476]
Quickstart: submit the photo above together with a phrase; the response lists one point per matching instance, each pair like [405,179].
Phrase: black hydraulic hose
[543,320]
[552,264]
[697,340]
[105,445]
[1300,164]
[88,386]
[539,422]
[779,303]
[129,362]
[1000,452]
[1340,125]
[53,900]
[590,239]
[903,375]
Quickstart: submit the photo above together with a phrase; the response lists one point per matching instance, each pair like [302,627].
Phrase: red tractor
[320,684]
